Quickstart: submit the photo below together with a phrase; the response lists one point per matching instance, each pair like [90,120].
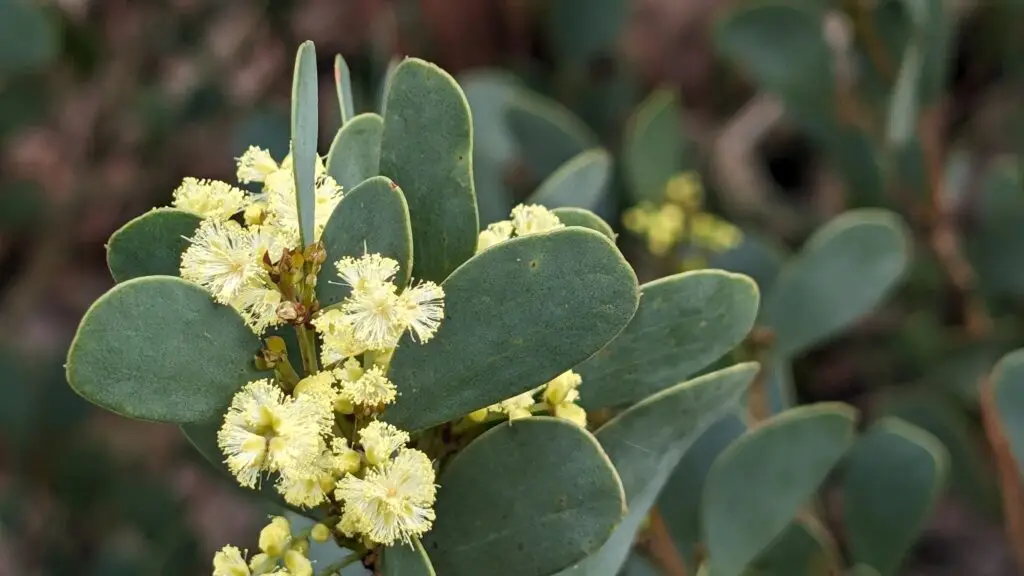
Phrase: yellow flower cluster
[681,219]
[525,219]
[229,259]
[558,397]
[281,552]
[376,313]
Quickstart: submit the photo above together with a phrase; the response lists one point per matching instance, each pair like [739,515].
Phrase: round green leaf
[371,219]
[528,497]
[684,323]
[547,133]
[646,443]
[427,149]
[1008,384]
[151,244]
[305,126]
[580,182]
[159,348]
[404,560]
[843,272]
[759,483]
[516,315]
[891,480]
[355,153]
[654,147]
[585,219]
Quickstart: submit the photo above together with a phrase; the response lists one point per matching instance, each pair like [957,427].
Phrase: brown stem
[1009,481]
[759,407]
[661,549]
[943,237]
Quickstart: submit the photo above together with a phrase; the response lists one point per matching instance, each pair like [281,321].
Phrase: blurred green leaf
[654,149]
[579,183]
[581,30]
[805,548]
[548,134]
[343,86]
[29,37]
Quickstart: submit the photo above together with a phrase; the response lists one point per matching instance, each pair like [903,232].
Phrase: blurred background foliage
[791,112]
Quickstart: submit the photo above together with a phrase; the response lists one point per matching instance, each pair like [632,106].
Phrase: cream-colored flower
[209,198]
[533,219]
[380,441]
[371,389]
[257,304]
[375,314]
[230,561]
[391,503]
[339,340]
[421,309]
[365,271]
[223,258]
[255,164]
[563,388]
[517,406]
[282,210]
[494,234]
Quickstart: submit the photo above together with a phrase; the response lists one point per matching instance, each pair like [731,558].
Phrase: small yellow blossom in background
[255,164]
[560,395]
[525,219]
[371,389]
[380,441]
[209,198]
[681,220]
[391,503]
[229,561]
[516,407]
[320,533]
[275,537]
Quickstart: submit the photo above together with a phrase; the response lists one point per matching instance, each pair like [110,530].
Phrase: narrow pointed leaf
[843,272]
[406,560]
[1008,383]
[371,219]
[654,147]
[892,478]
[355,153]
[151,244]
[580,182]
[684,323]
[304,137]
[646,443]
[585,219]
[516,315]
[760,482]
[529,497]
[159,348]
[427,149]
[343,86]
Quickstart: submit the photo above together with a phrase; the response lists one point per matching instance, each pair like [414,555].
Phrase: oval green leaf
[151,244]
[646,443]
[159,348]
[355,153]
[684,323]
[547,133]
[406,560]
[305,126]
[892,478]
[654,147]
[529,497]
[585,219]
[516,315]
[843,272]
[759,483]
[1008,384]
[371,219]
[805,549]
[427,149]
[580,182]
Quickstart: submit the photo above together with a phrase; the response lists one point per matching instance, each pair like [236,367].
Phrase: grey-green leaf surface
[684,322]
[547,133]
[654,148]
[805,548]
[371,219]
[1008,387]
[580,182]
[646,443]
[406,560]
[427,149]
[759,483]
[355,153]
[159,348]
[757,256]
[516,315]
[679,502]
[343,86]
[151,244]
[844,271]
[305,132]
[585,219]
[581,30]
[528,497]
[892,478]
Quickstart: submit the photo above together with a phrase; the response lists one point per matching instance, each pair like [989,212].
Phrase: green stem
[337,566]
[307,347]
[286,373]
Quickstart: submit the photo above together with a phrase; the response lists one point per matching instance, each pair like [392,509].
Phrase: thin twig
[1009,481]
